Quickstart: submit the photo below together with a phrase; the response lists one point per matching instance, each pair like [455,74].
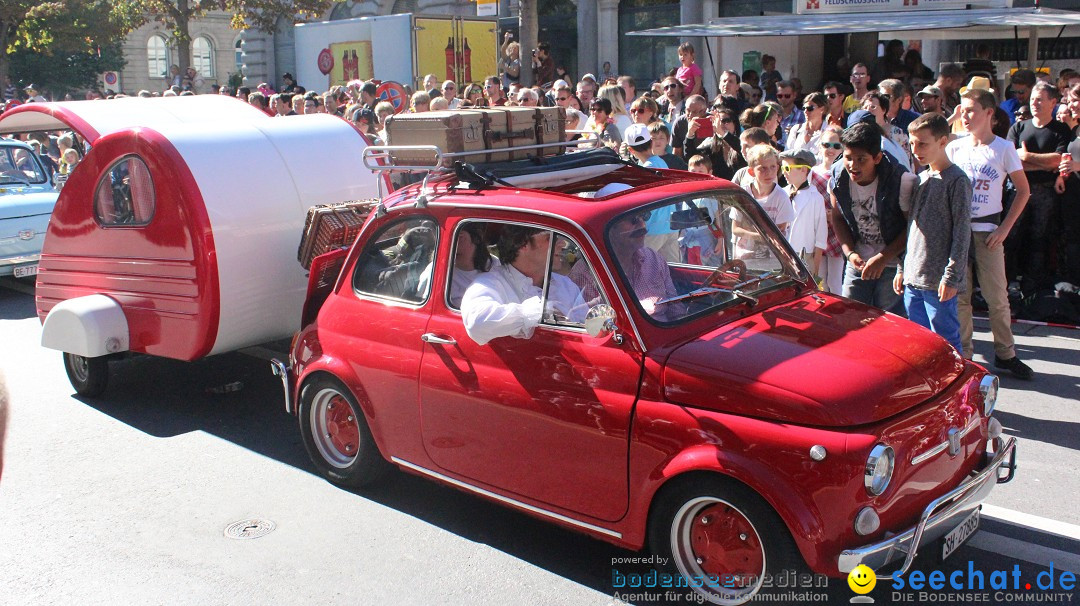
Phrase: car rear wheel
[722,538]
[337,436]
[89,376]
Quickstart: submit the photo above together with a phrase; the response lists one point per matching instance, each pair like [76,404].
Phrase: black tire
[338,440]
[89,376]
[704,511]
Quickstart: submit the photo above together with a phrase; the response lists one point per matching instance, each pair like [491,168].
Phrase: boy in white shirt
[763,166]
[809,229]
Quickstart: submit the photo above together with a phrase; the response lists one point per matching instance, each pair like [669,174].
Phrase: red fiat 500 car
[669,377]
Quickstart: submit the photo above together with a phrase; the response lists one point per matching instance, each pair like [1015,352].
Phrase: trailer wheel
[89,376]
[337,436]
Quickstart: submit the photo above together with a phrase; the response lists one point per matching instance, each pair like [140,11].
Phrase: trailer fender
[89,326]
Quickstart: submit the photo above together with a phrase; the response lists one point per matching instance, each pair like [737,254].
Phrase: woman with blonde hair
[615,95]
[644,111]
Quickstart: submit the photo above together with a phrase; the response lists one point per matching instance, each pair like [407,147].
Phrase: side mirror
[600,321]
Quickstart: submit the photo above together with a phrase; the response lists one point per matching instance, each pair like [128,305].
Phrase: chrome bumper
[281,370]
[19,260]
[940,516]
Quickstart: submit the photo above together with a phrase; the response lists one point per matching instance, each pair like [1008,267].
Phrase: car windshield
[18,165]
[693,254]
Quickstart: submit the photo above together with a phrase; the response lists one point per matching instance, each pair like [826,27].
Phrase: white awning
[874,22]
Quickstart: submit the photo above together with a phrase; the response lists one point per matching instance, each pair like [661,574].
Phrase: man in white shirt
[987,160]
[449,90]
[509,300]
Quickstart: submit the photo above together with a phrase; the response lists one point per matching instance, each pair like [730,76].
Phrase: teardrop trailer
[696,423]
[176,235]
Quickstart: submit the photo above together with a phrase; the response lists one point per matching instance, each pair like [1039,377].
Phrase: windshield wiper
[759,278]
[710,290]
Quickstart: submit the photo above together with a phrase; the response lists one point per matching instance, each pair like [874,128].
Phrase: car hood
[25,204]
[818,360]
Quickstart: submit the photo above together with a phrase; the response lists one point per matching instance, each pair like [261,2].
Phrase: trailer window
[125,195]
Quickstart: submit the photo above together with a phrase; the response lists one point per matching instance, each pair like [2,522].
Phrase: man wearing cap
[1020,83]
[32,95]
[930,99]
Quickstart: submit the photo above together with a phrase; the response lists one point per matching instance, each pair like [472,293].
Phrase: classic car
[27,198]
[175,234]
[713,406]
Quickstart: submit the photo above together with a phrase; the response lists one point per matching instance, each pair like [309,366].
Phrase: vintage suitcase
[451,131]
[508,127]
[523,126]
[331,226]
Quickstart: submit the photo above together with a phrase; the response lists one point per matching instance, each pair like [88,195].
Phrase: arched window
[202,56]
[125,195]
[239,56]
[157,57]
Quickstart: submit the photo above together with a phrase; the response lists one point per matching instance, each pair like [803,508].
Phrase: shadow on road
[16,300]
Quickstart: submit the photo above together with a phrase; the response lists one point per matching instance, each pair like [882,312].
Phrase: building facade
[150,54]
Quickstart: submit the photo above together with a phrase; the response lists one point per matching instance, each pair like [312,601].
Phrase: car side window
[125,195]
[396,262]
[568,263]
[473,253]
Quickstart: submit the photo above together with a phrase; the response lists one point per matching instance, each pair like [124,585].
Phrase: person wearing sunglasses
[832,262]
[673,102]
[807,134]
[644,111]
[790,113]
[809,229]
[834,96]
[722,147]
[601,128]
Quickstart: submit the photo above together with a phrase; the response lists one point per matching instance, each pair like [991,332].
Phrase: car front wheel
[337,436]
[722,538]
[89,376]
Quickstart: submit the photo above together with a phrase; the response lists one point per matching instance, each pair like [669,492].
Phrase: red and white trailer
[176,235]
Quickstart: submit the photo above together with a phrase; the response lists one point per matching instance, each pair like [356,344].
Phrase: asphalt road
[125,500]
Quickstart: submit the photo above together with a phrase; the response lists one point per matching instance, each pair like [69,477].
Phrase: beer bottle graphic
[467,62]
[450,57]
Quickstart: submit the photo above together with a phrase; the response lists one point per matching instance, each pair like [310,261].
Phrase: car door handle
[430,337]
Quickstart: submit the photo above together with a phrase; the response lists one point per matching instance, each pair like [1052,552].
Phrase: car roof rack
[380,158]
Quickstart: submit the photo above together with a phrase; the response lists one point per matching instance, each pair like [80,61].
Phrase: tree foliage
[245,14]
[62,44]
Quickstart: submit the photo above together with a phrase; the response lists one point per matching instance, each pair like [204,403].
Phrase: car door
[376,321]
[545,418]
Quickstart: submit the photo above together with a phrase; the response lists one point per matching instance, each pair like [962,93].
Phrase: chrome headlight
[879,468]
[988,387]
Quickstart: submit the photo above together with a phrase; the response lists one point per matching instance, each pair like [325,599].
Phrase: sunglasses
[637,110]
[787,168]
[726,121]
[642,216]
[832,95]
[597,109]
[836,145]
[562,98]
[779,96]
[670,86]
[809,108]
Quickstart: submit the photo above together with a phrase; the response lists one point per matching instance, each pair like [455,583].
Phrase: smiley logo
[862,579]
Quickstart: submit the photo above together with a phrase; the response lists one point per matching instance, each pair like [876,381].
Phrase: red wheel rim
[342,426]
[725,543]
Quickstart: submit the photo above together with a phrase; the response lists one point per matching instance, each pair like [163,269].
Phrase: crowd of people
[847,170]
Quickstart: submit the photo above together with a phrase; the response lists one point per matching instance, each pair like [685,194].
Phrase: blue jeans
[924,308]
[877,293]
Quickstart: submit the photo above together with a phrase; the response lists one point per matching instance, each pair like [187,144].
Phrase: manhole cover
[249,529]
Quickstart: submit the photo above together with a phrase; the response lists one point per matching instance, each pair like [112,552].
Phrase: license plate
[961,533]
[26,271]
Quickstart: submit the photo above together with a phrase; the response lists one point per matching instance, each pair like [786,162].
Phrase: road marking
[1027,520]
[1023,550]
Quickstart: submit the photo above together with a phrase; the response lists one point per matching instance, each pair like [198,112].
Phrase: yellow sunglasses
[790,167]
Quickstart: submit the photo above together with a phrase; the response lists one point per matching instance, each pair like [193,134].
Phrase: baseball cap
[930,91]
[636,134]
[801,156]
[861,115]
[364,113]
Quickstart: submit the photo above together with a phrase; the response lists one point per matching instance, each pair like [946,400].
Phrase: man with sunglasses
[897,115]
[494,92]
[835,111]
[563,96]
[790,114]
[672,104]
